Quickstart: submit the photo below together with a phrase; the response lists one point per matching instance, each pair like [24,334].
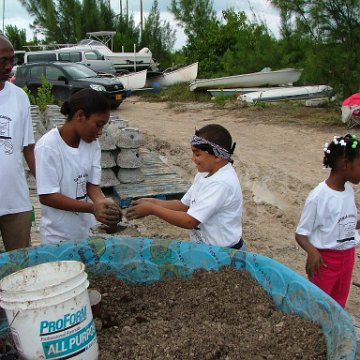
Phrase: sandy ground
[278,158]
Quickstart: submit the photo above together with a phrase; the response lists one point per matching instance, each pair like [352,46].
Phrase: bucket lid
[42,281]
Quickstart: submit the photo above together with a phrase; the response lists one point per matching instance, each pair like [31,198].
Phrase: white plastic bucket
[48,310]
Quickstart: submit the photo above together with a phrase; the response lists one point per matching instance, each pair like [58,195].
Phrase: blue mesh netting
[143,260]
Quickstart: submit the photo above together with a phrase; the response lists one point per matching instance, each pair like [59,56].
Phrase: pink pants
[335,278]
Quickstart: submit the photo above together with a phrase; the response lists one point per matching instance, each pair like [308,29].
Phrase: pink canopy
[352,100]
[350,110]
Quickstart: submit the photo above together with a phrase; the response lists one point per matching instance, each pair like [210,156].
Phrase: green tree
[200,24]
[16,36]
[227,46]
[45,18]
[97,15]
[68,21]
[331,29]
[247,45]
[107,15]
[127,33]
[158,36]
[193,16]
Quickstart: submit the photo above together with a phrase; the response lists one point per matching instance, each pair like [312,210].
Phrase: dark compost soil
[213,315]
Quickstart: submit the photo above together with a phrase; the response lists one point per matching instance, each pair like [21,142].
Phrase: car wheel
[115,105]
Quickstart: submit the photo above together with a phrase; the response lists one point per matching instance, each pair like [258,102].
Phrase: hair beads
[346,146]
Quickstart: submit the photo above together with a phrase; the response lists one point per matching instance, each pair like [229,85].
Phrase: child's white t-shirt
[16,132]
[216,202]
[329,218]
[66,170]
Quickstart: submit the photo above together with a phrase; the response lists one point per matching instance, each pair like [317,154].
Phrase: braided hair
[341,147]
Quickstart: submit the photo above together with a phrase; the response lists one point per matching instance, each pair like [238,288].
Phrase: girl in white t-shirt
[68,171]
[328,223]
[212,208]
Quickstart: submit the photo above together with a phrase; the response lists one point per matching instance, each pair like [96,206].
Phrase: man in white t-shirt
[212,208]
[16,141]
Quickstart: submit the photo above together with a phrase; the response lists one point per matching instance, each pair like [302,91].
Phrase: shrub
[44,95]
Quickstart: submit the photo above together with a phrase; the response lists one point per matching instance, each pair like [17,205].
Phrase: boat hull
[133,80]
[266,78]
[291,93]
[235,91]
[185,74]
[130,62]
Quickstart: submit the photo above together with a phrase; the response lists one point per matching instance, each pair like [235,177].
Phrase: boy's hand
[138,209]
[313,263]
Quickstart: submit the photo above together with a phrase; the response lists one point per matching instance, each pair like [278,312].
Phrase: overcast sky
[15,14]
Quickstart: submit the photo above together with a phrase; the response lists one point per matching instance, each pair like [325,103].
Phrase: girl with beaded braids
[328,223]
[212,208]
[69,172]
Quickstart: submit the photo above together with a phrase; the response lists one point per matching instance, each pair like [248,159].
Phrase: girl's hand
[107,211]
[313,263]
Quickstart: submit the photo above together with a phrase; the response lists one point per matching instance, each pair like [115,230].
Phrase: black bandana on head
[212,148]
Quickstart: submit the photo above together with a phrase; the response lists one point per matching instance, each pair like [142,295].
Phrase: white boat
[265,77]
[130,61]
[236,91]
[133,80]
[175,75]
[287,93]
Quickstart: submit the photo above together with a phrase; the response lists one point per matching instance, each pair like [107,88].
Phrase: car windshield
[93,55]
[77,71]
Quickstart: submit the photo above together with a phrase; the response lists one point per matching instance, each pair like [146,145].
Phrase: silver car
[91,58]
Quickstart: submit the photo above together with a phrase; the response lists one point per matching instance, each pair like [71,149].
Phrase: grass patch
[295,112]
[175,93]
[285,112]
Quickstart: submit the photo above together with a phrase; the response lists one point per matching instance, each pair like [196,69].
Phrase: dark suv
[66,79]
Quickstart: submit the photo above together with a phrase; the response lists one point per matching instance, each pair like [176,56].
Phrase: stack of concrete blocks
[39,130]
[121,144]
[129,141]
[37,122]
[53,117]
[120,157]
[108,155]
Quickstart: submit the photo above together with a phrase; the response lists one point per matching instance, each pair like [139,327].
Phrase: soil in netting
[212,315]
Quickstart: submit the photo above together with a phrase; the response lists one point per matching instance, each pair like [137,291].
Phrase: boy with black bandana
[212,208]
